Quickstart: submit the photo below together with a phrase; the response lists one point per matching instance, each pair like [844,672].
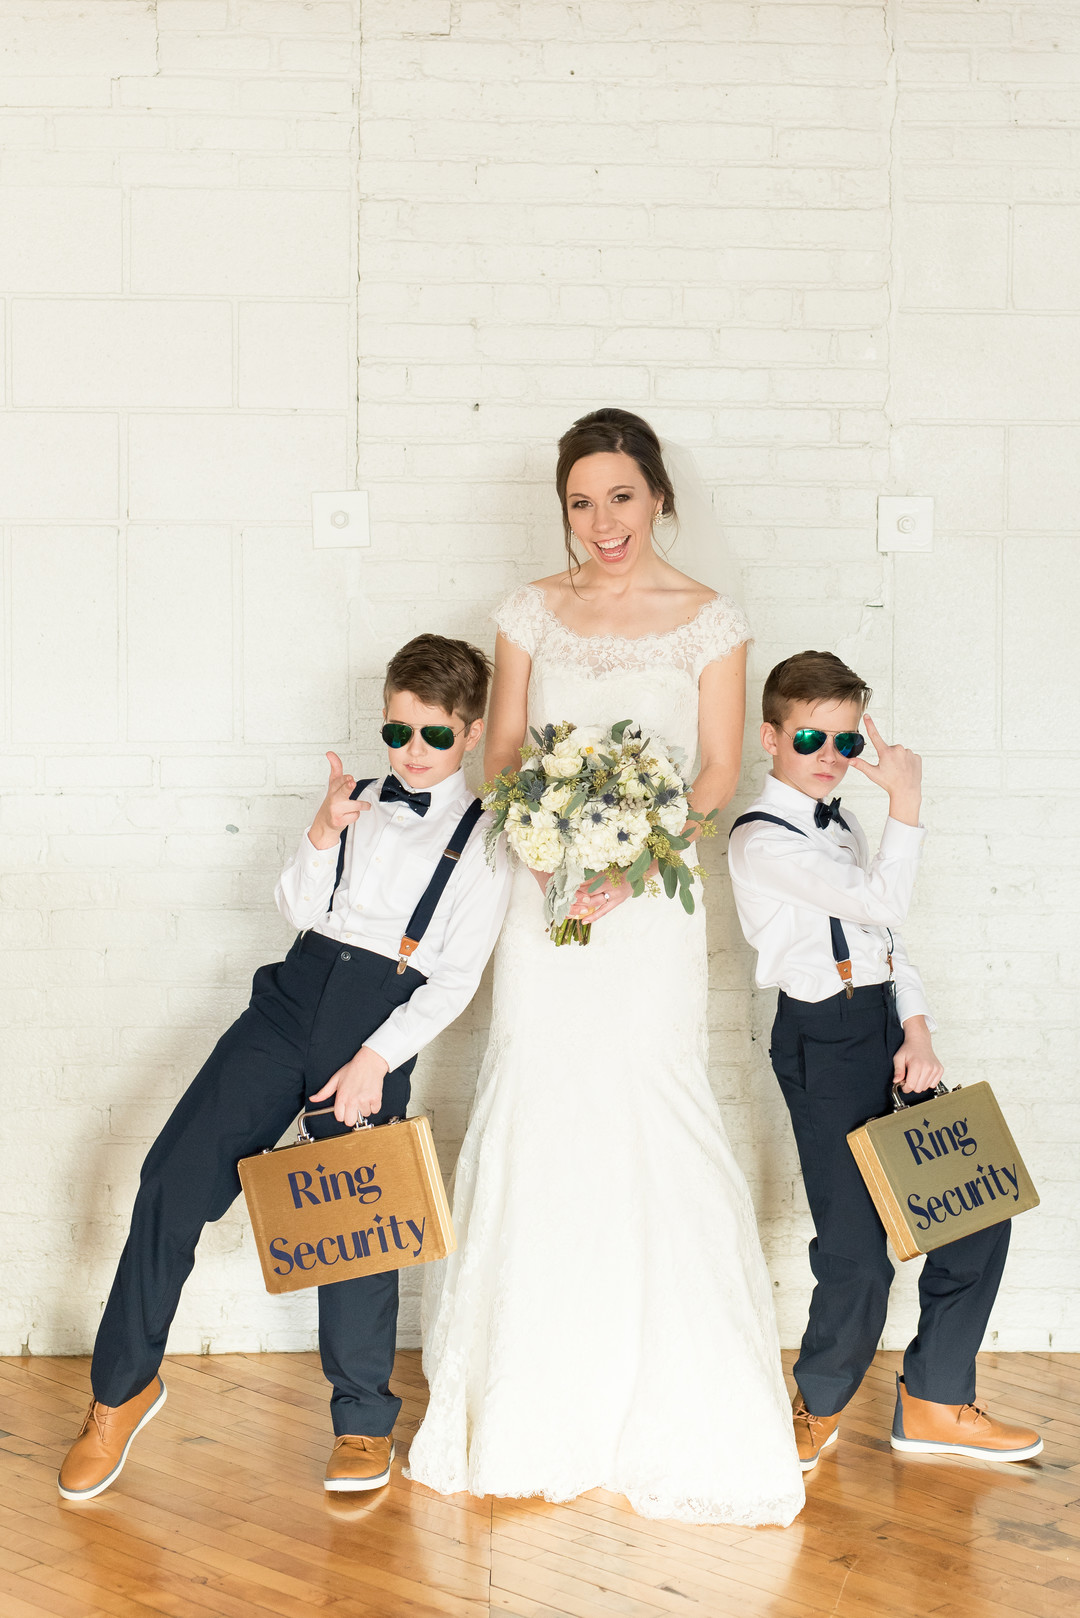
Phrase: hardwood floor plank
[220,1513]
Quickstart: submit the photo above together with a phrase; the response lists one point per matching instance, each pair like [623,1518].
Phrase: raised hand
[898,772]
[337,809]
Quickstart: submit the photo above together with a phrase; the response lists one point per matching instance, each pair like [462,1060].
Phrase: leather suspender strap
[841,953]
[355,793]
[425,908]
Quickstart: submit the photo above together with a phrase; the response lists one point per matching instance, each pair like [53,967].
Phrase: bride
[607,1321]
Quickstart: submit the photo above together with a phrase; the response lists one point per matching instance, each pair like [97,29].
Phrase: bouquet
[594,805]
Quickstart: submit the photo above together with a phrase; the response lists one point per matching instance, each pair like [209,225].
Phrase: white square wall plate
[340,519]
[905,522]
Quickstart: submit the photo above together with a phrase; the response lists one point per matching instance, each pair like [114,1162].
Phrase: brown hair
[810,677]
[446,674]
[611,432]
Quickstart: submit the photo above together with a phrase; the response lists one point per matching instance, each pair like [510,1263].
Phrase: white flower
[609,836]
[632,786]
[556,798]
[567,757]
[673,815]
[561,769]
[534,837]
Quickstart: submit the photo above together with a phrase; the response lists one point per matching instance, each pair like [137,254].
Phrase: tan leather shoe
[97,1456]
[812,1433]
[359,1463]
[923,1428]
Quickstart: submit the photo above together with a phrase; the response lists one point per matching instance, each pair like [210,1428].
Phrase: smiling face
[419,765]
[611,510]
[816,774]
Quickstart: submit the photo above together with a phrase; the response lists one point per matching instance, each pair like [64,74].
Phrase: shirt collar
[786,798]
[444,793]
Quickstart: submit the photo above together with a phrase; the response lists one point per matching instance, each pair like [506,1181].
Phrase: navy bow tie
[824,812]
[392,791]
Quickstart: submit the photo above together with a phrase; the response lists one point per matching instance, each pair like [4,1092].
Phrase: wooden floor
[220,1513]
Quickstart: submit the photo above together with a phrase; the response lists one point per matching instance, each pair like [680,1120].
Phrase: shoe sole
[99,1488]
[975,1452]
[808,1466]
[351,1485]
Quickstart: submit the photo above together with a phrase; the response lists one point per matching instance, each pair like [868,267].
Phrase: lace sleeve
[520,617]
[718,629]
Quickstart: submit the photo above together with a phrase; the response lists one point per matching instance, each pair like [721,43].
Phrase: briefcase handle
[317,1112]
[902,1099]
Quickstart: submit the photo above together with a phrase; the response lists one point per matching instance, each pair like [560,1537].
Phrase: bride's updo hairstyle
[611,432]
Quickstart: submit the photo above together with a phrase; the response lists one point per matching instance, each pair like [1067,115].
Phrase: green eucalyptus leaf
[671,880]
[687,900]
[619,730]
[640,865]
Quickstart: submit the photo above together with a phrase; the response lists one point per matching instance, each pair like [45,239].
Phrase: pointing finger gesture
[898,772]
[338,809]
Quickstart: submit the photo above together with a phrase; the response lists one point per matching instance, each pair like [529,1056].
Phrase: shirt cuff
[913,1003]
[317,859]
[395,1052]
[900,841]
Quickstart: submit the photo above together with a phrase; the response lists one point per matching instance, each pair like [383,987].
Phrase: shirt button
[345,956]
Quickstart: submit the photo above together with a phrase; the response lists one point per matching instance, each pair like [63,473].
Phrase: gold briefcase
[940,1167]
[368,1200]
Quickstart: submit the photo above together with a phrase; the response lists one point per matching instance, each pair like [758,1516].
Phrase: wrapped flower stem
[571,931]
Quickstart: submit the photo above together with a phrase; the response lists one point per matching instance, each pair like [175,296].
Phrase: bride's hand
[591,906]
[542,879]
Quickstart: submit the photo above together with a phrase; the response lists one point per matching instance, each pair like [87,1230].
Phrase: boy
[852,1020]
[343,1016]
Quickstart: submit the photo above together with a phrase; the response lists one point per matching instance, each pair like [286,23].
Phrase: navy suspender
[425,909]
[420,919]
[841,953]
[355,793]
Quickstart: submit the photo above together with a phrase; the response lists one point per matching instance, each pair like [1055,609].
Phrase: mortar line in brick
[236,542]
[8,621]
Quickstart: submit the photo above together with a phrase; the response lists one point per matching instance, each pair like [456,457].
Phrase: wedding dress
[606,1320]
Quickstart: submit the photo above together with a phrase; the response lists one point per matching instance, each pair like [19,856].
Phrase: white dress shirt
[390,857]
[787,886]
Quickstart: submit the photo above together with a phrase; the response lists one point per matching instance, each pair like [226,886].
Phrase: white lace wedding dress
[606,1320]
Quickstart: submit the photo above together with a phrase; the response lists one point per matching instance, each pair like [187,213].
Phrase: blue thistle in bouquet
[592,805]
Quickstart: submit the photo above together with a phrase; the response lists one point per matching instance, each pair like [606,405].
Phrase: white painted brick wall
[249,248]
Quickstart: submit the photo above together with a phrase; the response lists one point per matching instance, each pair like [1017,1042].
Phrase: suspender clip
[844,969]
[405,949]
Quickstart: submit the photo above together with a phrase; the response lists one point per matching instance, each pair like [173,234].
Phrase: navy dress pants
[308,1016]
[834,1061]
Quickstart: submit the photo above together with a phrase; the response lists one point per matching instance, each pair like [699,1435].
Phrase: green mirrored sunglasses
[848,743]
[440,736]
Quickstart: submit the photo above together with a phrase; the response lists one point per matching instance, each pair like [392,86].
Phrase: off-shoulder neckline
[630,640]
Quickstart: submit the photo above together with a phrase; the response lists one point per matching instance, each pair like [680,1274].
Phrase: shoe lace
[979,1413]
[812,1421]
[95,1416]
